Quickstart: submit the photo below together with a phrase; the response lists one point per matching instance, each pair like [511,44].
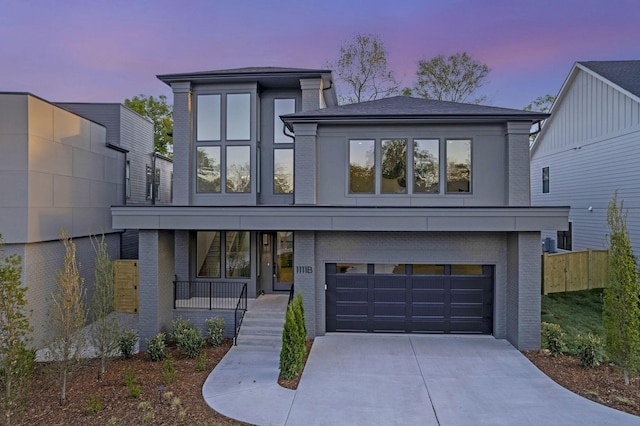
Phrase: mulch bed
[603,384]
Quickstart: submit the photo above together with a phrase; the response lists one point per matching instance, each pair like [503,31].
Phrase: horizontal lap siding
[592,149]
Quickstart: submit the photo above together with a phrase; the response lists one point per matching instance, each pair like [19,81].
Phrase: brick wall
[305,283]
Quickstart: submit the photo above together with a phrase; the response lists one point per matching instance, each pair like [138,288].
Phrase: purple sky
[106,51]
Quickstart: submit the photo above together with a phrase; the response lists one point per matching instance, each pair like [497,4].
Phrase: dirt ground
[603,384]
[181,403]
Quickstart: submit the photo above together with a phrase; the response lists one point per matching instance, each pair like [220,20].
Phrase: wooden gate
[126,285]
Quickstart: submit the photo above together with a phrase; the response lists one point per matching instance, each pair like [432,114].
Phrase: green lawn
[577,312]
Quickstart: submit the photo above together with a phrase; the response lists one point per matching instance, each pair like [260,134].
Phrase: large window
[458,165]
[236,254]
[385,166]
[545,180]
[238,169]
[208,126]
[239,116]
[208,169]
[393,166]
[362,166]
[564,238]
[221,164]
[426,168]
[283,171]
[282,107]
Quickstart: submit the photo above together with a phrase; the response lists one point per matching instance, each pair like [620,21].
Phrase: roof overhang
[325,218]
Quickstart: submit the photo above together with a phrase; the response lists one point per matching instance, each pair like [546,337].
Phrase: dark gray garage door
[409,298]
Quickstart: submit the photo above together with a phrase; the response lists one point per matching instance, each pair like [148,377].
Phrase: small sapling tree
[16,359]
[105,330]
[620,312]
[67,317]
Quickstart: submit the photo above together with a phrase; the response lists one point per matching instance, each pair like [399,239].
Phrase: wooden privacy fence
[126,285]
[573,271]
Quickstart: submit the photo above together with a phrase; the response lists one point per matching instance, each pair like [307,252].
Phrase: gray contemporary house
[588,149]
[395,215]
[65,169]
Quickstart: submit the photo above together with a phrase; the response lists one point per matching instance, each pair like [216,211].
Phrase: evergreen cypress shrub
[290,362]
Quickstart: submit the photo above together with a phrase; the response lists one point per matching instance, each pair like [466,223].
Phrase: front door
[276,261]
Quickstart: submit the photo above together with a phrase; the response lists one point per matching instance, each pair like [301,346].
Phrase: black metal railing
[207,294]
[241,308]
[291,292]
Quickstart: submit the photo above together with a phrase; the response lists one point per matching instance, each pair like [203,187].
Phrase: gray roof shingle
[625,74]
[407,107]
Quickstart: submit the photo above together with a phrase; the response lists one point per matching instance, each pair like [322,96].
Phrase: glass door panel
[283,254]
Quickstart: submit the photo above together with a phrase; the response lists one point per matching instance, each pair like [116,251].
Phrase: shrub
[179,326]
[215,328]
[168,371]
[130,383]
[156,347]
[589,350]
[302,329]
[293,346]
[554,337]
[191,342]
[94,405]
[201,362]
[127,343]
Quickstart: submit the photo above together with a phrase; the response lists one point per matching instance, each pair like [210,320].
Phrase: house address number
[304,270]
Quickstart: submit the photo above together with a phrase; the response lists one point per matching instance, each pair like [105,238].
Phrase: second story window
[382,166]
[239,116]
[362,166]
[545,180]
[208,169]
[149,182]
[458,165]
[283,171]
[127,179]
[208,125]
[238,169]
[282,107]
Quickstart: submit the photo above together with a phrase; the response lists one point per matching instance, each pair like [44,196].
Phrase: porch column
[155,284]
[523,290]
[304,276]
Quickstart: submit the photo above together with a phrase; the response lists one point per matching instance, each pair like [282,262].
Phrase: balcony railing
[212,295]
[207,294]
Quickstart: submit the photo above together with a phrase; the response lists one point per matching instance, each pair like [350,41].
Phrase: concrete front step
[265,315]
[260,331]
[267,342]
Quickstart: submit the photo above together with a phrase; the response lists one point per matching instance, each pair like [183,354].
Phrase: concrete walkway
[373,379]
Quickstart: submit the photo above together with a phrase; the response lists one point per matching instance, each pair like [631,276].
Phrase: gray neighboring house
[147,175]
[395,215]
[65,169]
[588,149]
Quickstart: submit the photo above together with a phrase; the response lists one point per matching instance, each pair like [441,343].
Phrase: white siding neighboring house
[590,147]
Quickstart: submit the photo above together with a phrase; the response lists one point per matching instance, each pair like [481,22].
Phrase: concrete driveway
[383,379]
[373,379]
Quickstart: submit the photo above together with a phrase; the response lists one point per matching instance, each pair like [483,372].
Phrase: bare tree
[67,317]
[362,69]
[16,360]
[105,330]
[453,79]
